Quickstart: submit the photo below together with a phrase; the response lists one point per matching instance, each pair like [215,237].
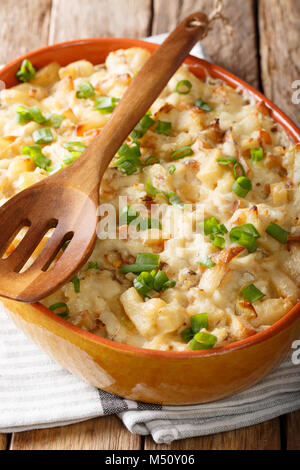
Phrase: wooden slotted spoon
[68,200]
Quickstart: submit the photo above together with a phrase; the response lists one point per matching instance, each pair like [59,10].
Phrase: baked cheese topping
[203,148]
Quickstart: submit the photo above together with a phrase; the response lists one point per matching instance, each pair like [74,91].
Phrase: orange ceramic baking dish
[143,374]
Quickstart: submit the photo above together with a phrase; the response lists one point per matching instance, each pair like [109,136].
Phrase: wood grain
[73,19]
[265,436]
[24,26]
[3,441]
[238,53]
[293,431]
[279,25]
[106,433]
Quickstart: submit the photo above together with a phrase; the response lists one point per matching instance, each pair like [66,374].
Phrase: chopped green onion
[172,169]
[106,104]
[86,90]
[143,125]
[277,232]
[26,71]
[54,120]
[199,321]
[65,245]
[127,215]
[203,340]
[199,103]
[93,265]
[175,200]
[37,156]
[144,262]
[217,241]
[75,146]
[257,154]
[252,293]
[129,158]
[144,283]
[242,186]
[183,87]
[228,161]
[68,160]
[163,127]
[212,226]
[147,281]
[43,136]
[76,283]
[150,189]
[245,235]
[207,262]
[152,161]
[54,168]
[149,223]
[182,152]
[30,114]
[187,334]
[60,305]
[235,166]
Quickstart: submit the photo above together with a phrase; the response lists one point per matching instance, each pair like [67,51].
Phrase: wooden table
[264,51]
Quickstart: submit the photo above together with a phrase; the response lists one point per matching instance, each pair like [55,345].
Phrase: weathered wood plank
[24,26]
[293,431]
[237,54]
[265,436]
[3,441]
[73,19]
[279,25]
[106,433]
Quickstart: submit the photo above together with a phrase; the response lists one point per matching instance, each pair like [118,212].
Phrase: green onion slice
[212,226]
[182,152]
[54,120]
[144,262]
[163,127]
[217,241]
[187,334]
[43,136]
[129,158]
[150,189]
[65,245]
[242,186]
[76,283]
[245,235]
[93,265]
[203,340]
[106,104]
[85,90]
[277,232]
[252,293]
[143,125]
[207,262]
[172,169]
[37,156]
[199,103]
[26,71]
[199,321]
[60,305]
[183,87]
[257,154]
[152,161]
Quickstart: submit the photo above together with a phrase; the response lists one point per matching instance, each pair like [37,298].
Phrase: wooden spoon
[68,200]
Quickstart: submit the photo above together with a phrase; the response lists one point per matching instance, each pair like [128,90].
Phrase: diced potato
[80,68]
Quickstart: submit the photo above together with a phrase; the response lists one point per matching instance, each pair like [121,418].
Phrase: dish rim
[279,116]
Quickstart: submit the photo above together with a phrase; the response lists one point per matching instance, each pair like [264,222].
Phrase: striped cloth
[36,392]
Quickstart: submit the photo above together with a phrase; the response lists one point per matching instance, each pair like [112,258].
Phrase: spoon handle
[141,93]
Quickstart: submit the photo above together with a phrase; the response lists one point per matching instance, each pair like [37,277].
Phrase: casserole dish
[141,374]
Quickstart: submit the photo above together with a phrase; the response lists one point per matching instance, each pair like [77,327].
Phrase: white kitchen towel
[36,392]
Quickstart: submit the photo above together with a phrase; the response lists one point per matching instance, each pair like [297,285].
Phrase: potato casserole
[206,160]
